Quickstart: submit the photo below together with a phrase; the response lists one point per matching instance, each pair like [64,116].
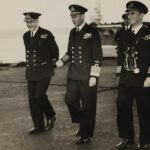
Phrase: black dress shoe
[78,132]
[50,123]
[36,130]
[83,140]
[124,143]
[142,146]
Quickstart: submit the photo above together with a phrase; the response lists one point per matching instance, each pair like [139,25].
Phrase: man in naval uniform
[134,82]
[85,56]
[41,54]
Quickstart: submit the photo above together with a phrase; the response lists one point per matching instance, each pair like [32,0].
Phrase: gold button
[80,56]
[72,47]
[27,51]
[72,56]
[34,55]
[72,52]
[27,55]
[79,47]
[80,52]
[34,51]
[27,65]
[34,65]
[80,62]
[72,61]
[34,60]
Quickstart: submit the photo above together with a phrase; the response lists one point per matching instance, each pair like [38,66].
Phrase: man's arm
[97,56]
[120,53]
[66,57]
[147,80]
[53,46]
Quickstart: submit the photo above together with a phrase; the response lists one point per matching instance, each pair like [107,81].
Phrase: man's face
[77,19]
[135,17]
[33,25]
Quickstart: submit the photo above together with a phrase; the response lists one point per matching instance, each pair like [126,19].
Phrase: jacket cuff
[95,70]
[65,58]
[97,62]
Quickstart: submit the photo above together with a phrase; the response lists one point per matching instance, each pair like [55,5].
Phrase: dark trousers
[38,101]
[81,101]
[126,95]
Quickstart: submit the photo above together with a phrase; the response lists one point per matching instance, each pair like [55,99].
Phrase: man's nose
[28,25]
[129,16]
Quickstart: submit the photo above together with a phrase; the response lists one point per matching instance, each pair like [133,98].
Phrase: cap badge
[131,5]
[72,9]
[28,16]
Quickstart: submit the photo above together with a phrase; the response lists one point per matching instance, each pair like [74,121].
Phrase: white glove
[59,63]
[147,82]
[92,81]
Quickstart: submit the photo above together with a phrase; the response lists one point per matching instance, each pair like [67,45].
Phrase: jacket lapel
[37,33]
[76,37]
[139,36]
[36,37]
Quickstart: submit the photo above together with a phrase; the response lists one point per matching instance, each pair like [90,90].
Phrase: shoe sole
[83,142]
[47,129]
[34,133]
[128,146]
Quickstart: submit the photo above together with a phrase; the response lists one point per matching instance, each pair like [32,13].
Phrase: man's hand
[59,63]
[147,82]
[92,81]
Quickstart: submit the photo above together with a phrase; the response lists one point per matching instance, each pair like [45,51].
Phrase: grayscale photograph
[75,75]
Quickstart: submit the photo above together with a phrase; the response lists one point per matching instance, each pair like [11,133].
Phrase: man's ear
[141,15]
[37,21]
[82,16]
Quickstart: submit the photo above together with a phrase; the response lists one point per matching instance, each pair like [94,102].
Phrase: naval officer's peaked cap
[77,9]
[138,6]
[31,16]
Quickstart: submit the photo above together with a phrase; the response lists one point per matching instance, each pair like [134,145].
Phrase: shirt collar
[137,28]
[81,26]
[127,27]
[34,31]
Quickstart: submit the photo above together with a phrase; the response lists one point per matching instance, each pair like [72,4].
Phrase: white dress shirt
[136,29]
[80,27]
[34,31]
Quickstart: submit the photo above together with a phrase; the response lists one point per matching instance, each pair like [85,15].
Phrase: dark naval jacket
[40,52]
[121,44]
[84,50]
[138,46]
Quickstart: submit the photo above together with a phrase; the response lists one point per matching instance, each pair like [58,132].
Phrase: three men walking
[84,55]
